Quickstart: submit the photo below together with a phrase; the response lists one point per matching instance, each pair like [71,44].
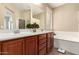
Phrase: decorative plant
[34,25]
[29,25]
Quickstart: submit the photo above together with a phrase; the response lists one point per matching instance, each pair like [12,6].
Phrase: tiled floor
[55,52]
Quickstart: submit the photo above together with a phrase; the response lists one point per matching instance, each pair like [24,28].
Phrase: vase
[34,30]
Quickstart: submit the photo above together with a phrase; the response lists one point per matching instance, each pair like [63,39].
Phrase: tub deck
[68,36]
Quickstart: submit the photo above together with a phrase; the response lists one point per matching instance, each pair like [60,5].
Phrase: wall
[65,17]
[78,21]
[15,14]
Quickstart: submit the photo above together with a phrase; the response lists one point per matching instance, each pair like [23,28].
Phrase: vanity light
[37,3]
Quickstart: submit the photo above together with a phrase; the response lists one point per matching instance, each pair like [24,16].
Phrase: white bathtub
[68,41]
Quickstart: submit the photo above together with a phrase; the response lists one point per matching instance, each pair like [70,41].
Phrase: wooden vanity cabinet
[24,46]
[0,48]
[42,44]
[50,42]
[14,47]
[31,45]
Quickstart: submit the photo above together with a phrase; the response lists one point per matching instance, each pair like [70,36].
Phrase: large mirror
[18,15]
[30,13]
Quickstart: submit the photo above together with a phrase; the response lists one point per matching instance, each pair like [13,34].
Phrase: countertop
[9,36]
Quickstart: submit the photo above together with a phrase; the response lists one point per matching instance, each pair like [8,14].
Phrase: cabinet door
[31,45]
[12,47]
[42,44]
[50,42]
[0,48]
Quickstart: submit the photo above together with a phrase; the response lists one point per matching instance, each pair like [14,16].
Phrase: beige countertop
[9,36]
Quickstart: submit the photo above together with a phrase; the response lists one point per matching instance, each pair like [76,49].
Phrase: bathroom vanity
[27,44]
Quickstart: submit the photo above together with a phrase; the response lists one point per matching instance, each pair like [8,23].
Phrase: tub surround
[67,40]
[68,36]
[26,43]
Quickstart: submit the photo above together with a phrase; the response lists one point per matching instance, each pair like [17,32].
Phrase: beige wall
[15,14]
[78,21]
[65,17]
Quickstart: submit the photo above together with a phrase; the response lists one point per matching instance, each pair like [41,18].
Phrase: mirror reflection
[18,15]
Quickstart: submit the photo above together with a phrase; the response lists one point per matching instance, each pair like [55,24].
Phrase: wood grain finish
[32,45]
[14,47]
[42,36]
[42,44]
[0,48]
[43,51]
[50,42]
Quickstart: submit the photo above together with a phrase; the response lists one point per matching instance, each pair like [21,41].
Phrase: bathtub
[68,41]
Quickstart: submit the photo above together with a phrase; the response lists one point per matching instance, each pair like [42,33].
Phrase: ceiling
[35,7]
[54,5]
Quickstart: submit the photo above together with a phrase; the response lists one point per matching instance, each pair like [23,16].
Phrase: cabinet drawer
[43,51]
[41,46]
[42,36]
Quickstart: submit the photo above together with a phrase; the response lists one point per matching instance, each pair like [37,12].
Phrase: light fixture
[37,3]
